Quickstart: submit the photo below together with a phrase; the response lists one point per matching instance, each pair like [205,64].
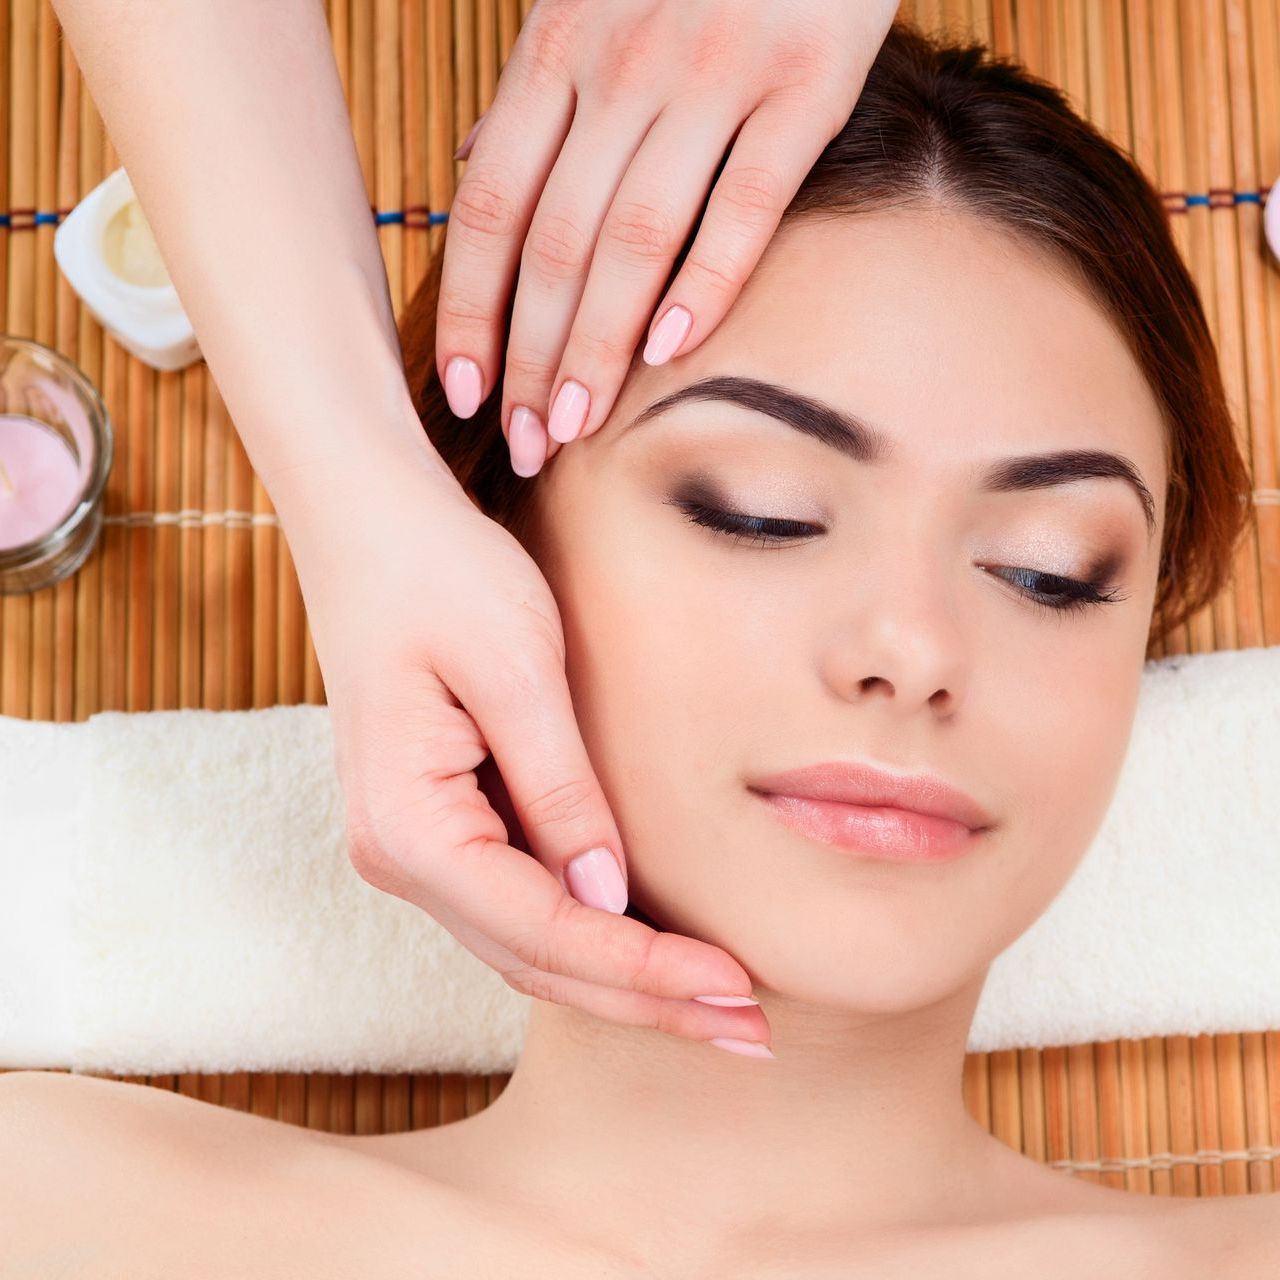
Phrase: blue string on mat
[420,216]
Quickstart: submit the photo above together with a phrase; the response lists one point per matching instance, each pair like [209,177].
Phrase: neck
[857,1125]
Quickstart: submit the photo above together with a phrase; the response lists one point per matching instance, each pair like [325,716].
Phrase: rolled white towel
[175,895]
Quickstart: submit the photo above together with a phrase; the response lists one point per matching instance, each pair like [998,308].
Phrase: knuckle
[751,188]
[807,54]
[517,977]
[527,370]
[644,958]
[565,802]
[557,248]
[641,230]
[712,277]
[457,312]
[713,50]
[541,950]
[369,857]
[532,982]
[601,351]
[552,36]
[627,60]
[481,207]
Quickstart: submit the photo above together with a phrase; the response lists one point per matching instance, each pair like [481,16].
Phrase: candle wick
[8,484]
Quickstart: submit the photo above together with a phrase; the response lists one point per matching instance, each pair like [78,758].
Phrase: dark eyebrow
[857,439]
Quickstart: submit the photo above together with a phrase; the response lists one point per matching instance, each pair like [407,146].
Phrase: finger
[488,219]
[435,839]
[558,253]
[529,725]
[773,152]
[688,1018]
[465,149]
[685,1018]
[525,910]
[650,217]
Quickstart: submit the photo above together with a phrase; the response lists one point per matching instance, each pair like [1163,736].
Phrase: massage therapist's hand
[440,642]
[587,173]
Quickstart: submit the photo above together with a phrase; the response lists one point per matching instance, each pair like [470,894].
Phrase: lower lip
[880,832]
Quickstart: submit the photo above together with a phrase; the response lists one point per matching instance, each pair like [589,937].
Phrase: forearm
[229,117]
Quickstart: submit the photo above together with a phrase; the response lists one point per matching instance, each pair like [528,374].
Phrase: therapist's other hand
[441,642]
[604,136]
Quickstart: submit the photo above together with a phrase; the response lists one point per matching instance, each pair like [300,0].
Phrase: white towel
[175,895]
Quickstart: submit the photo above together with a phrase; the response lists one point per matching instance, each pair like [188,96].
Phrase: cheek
[675,683]
[1062,730]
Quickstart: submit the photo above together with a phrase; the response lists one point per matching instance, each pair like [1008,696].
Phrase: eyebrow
[854,437]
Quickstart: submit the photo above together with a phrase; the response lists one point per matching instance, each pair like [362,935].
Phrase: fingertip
[667,336]
[526,441]
[595,879]
[463,386]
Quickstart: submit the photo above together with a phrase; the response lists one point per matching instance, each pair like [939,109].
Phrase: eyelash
[1069,594]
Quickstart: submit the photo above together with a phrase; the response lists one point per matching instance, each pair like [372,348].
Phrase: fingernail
[670,332]
[464,150]
[729,1002]
[528,441]
[569,412]
[748,1048]
[462,386]
[595,879]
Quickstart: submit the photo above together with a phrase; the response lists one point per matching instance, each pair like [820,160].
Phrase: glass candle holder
[56,447]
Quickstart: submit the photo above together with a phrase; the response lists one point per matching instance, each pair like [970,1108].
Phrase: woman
[231,120]
[957,455]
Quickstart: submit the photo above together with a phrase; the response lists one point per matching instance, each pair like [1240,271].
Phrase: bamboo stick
[88,673]
[388,177]
[139,541]
[16,610]
[1253,45]
[192,537]
[67,593]
[1239,609]
[413,161]
[214,560]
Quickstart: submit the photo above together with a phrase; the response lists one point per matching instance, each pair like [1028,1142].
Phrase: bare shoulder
[1234,1237]
[117,1178]
[102,1178]
[1228,1237]
[80,1122]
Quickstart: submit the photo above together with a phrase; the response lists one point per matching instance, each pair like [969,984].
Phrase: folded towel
[175,895]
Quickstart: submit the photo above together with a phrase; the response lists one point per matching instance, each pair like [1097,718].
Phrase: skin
[617,1150]
[878,640]
[592,166]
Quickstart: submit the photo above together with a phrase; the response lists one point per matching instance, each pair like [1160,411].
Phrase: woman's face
[890,626]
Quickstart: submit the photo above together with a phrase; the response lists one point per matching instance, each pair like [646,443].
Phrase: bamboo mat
[191,599]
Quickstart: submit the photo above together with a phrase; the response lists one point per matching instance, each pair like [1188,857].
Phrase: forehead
[957,336]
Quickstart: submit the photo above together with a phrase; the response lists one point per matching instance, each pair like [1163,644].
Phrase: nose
[898,636]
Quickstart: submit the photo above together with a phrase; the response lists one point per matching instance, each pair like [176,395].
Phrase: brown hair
[954,124]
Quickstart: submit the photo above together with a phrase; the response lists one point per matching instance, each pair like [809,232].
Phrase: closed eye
[1051,591]
[764,530]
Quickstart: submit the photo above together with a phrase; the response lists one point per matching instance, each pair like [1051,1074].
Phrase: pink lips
[853,806]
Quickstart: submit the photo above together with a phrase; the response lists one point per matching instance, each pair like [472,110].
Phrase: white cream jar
[106,250]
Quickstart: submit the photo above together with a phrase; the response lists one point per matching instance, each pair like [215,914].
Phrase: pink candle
[40,479]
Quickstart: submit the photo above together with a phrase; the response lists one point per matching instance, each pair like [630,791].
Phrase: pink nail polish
[748,1048]
[465,150]
[595,879]
[462,386]
[528,441]
[569,412]
[728,1002]
[670,332]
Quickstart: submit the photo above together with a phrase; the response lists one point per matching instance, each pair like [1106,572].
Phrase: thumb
[541,778]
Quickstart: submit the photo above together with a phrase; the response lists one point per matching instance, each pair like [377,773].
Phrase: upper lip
[865,784]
